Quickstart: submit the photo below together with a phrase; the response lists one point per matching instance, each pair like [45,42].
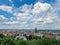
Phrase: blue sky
[28,14]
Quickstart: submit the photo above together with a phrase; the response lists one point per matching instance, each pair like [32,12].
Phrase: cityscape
[29,37]
[40,33]
[29,22]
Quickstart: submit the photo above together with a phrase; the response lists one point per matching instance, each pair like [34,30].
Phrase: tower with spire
[36,30]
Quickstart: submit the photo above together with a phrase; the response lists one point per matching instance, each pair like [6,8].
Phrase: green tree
[7,41]
[47,41]
[1,35]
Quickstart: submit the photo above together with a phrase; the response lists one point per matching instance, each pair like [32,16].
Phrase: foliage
[8,40]
[1,35]
[48,41]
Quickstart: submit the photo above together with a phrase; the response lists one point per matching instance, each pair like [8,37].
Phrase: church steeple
[36,30]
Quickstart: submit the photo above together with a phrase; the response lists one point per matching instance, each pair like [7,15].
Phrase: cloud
[6,8]
[44,21]
[57,26]
[26,8]
[31,15]
[41,7]
[11,22]
[2,17]
[23,16]
[10,0]
[39,15]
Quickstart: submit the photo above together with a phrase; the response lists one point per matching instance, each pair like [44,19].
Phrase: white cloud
[23,17]
[42,21]
[26,8]
[10,0]
[11,22]
[31,15]
[38,8]
[2,17]
[6,8]
[41,7]
[57,26]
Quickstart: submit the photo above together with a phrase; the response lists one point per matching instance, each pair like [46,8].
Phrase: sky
[30,14]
